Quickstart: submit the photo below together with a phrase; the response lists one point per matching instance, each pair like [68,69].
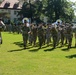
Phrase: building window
[7,4]
[15,6]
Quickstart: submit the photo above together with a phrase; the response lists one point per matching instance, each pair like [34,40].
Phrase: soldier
[40,35]
[54,33]
[2,27]
[30,37]
[48,34]
[44,32]
[25,31]
[66,24]
[69,36]
[62,35]
[59,34]
[34,33]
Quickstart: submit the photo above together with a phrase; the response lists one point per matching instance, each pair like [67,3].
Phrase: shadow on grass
[71,56]
[20,44]
[49,49]
[15,50]
[67,49]
[19,49]
[34,50]
[73,47]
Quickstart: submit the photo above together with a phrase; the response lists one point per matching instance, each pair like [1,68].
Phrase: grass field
[14,60]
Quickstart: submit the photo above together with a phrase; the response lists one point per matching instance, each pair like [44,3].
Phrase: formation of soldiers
[60,33]
[57,34]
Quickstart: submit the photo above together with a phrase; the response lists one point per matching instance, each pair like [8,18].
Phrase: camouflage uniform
[54,33]
[25,31]
[30,37]
[34,34]
[62,35]
[69,36]
[40,35]
[48,34]
[44,33]
[59,34]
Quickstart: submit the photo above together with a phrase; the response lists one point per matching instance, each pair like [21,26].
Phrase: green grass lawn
[14,60]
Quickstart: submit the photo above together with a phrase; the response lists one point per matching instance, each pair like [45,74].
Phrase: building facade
[9,9]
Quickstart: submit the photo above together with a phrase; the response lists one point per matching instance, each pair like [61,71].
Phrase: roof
[14,4]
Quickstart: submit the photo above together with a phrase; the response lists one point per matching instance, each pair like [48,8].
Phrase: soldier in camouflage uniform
[54,33]
[62,34]
[30,37]
[48,34]
[40,35]
[34,34]
[59,34]
[25,31]
[69,36]
[44,27]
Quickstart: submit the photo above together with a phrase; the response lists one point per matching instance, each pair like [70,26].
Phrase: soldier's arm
[3,25]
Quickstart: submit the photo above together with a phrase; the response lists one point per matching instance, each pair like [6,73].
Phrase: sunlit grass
[14,60]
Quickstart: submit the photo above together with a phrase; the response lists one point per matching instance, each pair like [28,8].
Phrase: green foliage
[56,9]
[53,9]
[31,10]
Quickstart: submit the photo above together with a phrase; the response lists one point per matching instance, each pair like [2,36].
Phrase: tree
[56,9]
[31,10]
[38,10]
[26,10]
[53,9]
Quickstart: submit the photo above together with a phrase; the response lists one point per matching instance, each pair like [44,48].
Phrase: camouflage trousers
[58,37]
[55,37]
[34,39]
[40,38]
[48,38]
[30,38]
[25,39]
[69,39]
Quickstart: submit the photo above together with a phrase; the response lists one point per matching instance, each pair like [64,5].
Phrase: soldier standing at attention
[25,31]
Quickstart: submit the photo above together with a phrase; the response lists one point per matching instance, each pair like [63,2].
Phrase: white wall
[13,15]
